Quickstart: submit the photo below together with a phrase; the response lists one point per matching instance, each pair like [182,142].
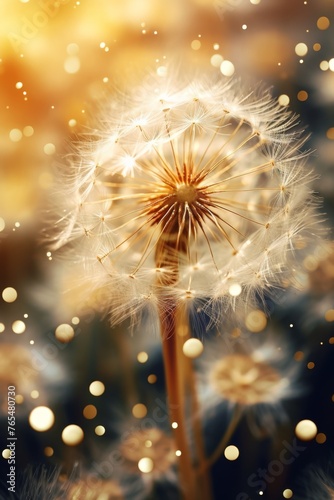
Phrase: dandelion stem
[235,419]
[184,333]
[175,392]
[198,435]
[180,381]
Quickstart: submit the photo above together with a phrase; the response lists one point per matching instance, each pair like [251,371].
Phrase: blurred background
[58,61]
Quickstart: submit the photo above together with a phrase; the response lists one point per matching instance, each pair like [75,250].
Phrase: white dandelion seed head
[187,186]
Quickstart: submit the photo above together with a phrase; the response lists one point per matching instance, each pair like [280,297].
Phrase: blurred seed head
[317,482]
[241,379]
[93,488]
[148,451]
[254,372]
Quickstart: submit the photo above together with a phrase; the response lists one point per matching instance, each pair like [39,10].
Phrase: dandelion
[241,379]
[143,459]
[255,378]
[181,192]
[42,483]
[149,451]
[188,197]
[317,482]
[251,378]
[93,488]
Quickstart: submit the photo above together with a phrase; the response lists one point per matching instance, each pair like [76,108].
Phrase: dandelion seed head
[47,482]
[150,450]
[189,186]
[94,488]
[239,369]
[241,379]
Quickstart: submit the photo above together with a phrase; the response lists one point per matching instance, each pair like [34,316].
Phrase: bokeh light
[72,435]
[64,333]
[96,388]
[145,465]
[231,452]
[256,321]
[18,326]
[306,430]
[9,294]
[139,410]
[193,348]
[41,418]
[89,412]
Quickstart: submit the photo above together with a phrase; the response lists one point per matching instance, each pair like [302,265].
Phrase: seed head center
[186,193]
